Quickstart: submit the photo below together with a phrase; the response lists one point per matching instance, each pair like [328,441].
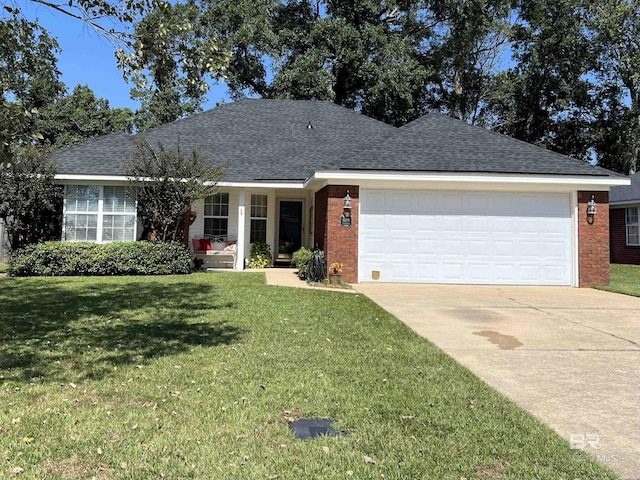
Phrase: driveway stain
[476,314]
[504,342]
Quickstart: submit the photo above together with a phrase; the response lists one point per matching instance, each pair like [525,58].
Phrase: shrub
[261,256]
[84,258]
[301,259]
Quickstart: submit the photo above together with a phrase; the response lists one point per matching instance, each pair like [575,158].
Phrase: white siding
[197,228]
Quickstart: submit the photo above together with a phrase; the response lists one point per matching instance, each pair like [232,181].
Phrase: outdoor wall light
[347,201]
[592,206]
[345,218]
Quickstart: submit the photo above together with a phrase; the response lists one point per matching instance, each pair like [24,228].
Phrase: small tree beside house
[165,183]
[30,203]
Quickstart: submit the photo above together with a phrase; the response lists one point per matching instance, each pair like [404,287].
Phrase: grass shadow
[56,329]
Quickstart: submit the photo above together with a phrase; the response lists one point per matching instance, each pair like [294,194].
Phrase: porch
[280,217]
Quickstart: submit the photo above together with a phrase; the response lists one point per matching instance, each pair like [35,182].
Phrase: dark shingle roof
[259,139]
[269,140]
[98,156]
[437,143]
[627,193]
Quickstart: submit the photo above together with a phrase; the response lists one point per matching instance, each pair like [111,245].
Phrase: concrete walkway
[286,277]
[569,356]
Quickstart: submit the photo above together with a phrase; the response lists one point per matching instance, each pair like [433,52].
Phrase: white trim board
[88,179]
[373,178]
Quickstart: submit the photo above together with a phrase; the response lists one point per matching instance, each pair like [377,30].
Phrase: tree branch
[116,38]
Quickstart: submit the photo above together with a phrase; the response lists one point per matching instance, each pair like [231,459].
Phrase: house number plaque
[345,219]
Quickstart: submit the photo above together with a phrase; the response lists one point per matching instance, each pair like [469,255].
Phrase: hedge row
[117,258]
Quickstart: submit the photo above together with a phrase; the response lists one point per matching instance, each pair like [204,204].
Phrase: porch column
[241,228]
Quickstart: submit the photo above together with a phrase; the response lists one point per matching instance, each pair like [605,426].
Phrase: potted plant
[335,271]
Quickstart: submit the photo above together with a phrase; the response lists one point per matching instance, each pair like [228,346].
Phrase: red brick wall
[620,251]
[320,220]
[593,240]
[339,243]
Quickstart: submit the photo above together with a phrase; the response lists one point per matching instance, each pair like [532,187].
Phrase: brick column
[593,240]
[320,218]
[339,243]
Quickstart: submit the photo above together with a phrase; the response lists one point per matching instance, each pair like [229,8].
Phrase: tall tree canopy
[29,78]
[616,36]
[362,55]
[562,74]
[166,43]
[74,118]
[172,57]
[545,97]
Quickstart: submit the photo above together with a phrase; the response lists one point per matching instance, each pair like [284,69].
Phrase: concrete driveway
[569,356]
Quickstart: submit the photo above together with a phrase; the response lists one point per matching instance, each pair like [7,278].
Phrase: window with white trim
[633,226]
[119,215]
[81,207]
[216,215]
[258,219]
[96,213]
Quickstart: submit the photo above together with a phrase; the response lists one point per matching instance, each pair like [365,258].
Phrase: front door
[289,228]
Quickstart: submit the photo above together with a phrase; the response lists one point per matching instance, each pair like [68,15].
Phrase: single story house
[434,201]
[624,220]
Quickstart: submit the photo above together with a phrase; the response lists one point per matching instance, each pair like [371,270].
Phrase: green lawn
[196,376]
[624,279]
[4,267]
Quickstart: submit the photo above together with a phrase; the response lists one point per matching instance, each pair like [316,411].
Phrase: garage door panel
[450,248]
[529,273]
[478,248]
[400,269]
[426,248]
[424,224]
[465,237]
[555,273]
[452,272]
[375,246]
[451,224]
[425,271]
[555,250]
[477,225]
[477,272]
[504,272]
[398,223]
[503,248]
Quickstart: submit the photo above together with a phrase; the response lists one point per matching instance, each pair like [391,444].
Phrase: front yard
[196,377]
[624,279]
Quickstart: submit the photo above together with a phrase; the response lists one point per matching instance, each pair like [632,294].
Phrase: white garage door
[465,237]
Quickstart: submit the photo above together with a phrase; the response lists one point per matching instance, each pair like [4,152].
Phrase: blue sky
[87,58]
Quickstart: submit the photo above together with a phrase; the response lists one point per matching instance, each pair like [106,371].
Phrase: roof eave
[280,184]
[622,203]
[595,181]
